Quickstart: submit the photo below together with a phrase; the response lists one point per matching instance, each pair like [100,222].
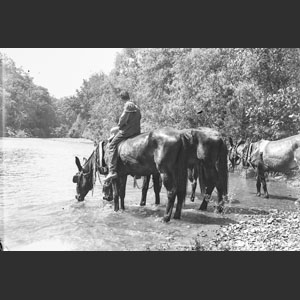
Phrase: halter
[93,169]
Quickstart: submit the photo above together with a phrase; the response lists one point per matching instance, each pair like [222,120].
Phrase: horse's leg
[193,183]
[122,185]
[208,191]
[157,187]
[145,188]
[264,184]
[115,193]
[258,185]
[220,205]
[210,175]
[259,176]
[180,200]
[169,183]
[181,193]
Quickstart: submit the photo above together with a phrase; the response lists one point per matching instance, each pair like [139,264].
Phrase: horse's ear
[230,141]
[77,161]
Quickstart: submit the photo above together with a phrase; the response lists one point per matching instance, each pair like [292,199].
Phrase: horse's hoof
[266,196]
[219,209]
[177,216]
[142,204]
[166,219]
[258,195]
[203,207]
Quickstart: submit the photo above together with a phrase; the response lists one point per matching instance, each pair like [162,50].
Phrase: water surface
[39,212]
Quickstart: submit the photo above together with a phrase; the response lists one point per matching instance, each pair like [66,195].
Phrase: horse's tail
[182,167]
[223,168]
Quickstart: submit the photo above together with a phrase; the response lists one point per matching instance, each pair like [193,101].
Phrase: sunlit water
[39,212]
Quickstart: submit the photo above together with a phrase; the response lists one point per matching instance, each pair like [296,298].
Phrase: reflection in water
[39,211]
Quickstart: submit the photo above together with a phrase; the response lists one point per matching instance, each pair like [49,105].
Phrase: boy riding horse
[129,125]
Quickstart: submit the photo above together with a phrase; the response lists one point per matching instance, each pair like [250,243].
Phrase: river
[38,209]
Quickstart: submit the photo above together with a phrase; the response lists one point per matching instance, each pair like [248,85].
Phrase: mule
[207,147]
[170,152]
[272,156]
[86,177]
[158,152]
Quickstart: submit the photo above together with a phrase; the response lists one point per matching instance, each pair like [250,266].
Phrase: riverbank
[255,230]
[274,231]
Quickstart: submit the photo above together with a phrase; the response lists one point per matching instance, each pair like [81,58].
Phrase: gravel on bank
[276,231]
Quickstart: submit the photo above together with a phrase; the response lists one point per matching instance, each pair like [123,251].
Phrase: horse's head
[235,152]
[83,179]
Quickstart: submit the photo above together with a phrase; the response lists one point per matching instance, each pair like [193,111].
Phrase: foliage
[28,109]
[242,92]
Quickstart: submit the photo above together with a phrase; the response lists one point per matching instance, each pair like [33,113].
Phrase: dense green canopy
[241,91]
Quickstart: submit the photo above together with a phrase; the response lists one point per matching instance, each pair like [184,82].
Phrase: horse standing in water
[170,153]
[159,152]
[207,149]
[272,156]
[86,178]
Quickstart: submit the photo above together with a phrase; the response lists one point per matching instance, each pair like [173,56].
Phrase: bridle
[94,167]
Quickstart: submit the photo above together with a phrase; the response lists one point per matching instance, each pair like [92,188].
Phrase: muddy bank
[252,223]
[262,230]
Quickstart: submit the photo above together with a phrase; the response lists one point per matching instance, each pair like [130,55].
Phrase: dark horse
[207,150]
[158,152]
[272,156]
[170,152]
[86,177]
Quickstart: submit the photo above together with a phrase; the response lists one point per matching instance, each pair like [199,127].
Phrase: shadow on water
[245,211]
[191,216]
[280,197]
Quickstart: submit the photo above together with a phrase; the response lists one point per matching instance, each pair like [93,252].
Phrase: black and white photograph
[150,149]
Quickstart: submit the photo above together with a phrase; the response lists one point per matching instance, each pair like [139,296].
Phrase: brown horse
[86,177]
[207,147]
[170,153]
[159,152]
[272,156]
